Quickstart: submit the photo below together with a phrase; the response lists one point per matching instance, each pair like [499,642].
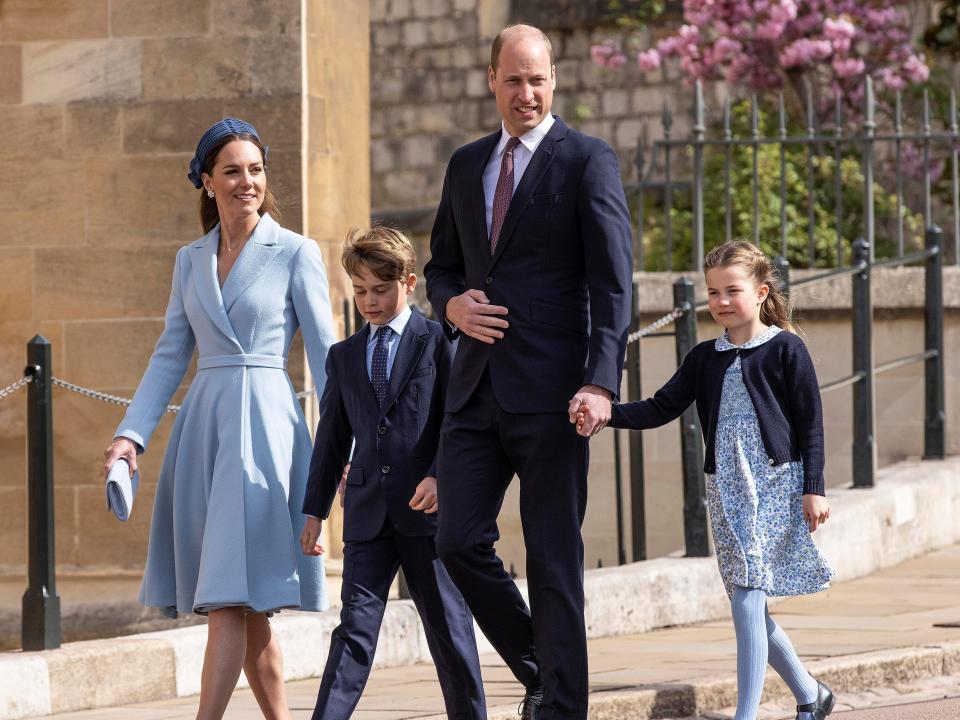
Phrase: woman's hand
[816,510]
[121,447]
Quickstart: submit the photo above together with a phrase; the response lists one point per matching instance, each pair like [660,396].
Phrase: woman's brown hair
[209,215]
[775,309]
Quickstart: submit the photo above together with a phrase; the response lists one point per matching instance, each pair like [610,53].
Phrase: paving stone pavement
[893,608]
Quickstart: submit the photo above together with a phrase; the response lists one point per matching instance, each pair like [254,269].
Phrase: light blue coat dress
[226,518]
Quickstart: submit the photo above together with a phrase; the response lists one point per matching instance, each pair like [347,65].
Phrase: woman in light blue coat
[226,518]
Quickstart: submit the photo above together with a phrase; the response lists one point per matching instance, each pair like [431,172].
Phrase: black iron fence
[895,166]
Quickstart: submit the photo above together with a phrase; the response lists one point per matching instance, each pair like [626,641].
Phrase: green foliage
[635,14]
[798,201]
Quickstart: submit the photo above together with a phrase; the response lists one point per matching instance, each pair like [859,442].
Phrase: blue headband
[213,135]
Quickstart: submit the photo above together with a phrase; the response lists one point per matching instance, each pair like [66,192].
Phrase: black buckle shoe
[530,707]
[821,707]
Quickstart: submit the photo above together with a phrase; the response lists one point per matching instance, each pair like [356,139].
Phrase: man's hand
[816,510]
[473,315]
[425,497]
[593,403]
[343,483]
[310,537]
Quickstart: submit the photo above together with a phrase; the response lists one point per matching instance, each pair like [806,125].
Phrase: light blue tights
[760,639]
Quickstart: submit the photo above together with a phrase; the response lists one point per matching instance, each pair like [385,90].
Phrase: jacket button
[382,430]
[772,461]
[385,469]
[488,281]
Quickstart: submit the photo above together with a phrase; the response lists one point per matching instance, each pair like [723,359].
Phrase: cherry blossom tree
[783,44]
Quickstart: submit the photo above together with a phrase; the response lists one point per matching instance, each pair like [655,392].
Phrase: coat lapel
[262,247]
[528,184]
[411,347]
[203,259]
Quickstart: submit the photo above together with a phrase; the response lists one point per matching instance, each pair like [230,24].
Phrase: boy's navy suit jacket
[396,445]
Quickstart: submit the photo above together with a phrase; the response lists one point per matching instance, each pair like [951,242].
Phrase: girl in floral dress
[759,406]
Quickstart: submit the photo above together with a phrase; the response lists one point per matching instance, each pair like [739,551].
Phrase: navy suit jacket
[562,267]
[396,445]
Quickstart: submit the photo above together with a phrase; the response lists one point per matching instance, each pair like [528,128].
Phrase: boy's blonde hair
[384,251]
[775,309]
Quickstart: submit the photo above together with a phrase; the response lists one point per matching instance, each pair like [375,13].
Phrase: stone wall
[429,87]
[102,103]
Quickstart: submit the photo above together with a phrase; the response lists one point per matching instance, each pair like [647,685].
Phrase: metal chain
[13,387]
[656,325]
[105,397]
[117,400]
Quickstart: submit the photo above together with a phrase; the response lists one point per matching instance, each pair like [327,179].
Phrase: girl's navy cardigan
[782,383]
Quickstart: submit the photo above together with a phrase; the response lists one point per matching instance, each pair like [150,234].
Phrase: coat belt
[242,359]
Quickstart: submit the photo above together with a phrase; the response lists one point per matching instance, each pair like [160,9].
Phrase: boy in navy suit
[385,392]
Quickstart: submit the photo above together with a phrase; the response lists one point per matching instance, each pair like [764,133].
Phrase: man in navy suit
[385,391]
[531,269]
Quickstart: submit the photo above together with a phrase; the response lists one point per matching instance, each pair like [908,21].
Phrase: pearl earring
[210,193]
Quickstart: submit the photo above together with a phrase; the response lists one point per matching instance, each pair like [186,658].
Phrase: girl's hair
[209,215]
[775,309]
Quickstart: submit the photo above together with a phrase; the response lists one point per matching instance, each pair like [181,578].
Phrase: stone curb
[914,509]
[844,674]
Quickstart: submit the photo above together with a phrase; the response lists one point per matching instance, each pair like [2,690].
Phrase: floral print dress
[756,509]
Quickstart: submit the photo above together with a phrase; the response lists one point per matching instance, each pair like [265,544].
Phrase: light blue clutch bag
[121,489]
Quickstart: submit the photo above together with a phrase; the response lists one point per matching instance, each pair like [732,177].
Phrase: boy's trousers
[368,570]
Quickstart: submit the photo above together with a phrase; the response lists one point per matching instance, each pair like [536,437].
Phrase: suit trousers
[368,571]
[481,448]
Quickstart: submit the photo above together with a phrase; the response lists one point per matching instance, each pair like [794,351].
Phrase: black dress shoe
[821,707]
[530,707]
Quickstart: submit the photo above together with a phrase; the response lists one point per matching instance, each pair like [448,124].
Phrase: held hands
[310,537]
[816,510]
[425,496]
[590,409]
[473,315]
[121,447]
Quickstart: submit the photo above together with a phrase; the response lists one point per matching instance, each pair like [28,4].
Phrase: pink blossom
[848,67]
[805,51]
[769,30]
[648,60]
[891,79]
[783,12]
[916,69]
[608,55]
[726,47]
[839,28]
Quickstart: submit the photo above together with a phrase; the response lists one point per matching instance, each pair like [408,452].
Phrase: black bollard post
[691,439]
[40,629]
[864,448]
[638,513]
[934,424]
[782,268]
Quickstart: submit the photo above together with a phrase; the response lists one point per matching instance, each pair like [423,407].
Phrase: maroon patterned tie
[504,192]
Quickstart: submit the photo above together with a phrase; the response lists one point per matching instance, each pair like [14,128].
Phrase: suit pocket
[422,372]
[355,476]
[548,199]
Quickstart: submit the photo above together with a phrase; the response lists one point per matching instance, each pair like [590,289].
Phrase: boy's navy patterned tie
[378,365]
[503,193]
